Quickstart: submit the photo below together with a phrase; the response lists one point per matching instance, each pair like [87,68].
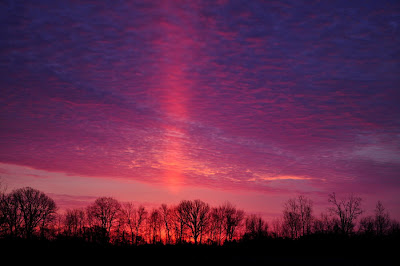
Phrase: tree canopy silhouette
[28,213]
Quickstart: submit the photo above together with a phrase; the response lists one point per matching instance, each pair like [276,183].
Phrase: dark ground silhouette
[265,252]
[192,233]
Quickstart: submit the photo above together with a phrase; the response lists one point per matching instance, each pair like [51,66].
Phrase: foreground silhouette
[29,222]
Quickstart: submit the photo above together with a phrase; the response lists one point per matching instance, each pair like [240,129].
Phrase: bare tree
[26,212]
[179,223]
[277,227]
[119,235]
[394,227]
[256,227]
[347,210]
[153,230]
[297,216]
[195,216]
[134,221]
[291,217]
[129,211]
[233,219]
[56,225]
[367,225]
[324,224]
[74,222]
[305,213]
[166,215]
[217,217]
[11,215]
[139,218]
[26,209]
[104,211]
[382,219]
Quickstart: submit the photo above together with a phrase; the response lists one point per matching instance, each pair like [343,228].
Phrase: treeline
[30,214]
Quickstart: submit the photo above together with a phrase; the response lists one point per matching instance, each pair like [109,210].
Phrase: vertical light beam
[175,52]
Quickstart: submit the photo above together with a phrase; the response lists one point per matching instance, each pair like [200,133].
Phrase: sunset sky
[252,102]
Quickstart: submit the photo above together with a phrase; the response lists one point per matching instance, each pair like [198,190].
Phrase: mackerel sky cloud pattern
[275,97]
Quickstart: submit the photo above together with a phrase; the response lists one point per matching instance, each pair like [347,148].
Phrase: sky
[252,102]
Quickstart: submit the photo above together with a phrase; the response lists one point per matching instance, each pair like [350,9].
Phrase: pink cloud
[217,96]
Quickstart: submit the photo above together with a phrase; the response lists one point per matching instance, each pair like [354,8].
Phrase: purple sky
[156,101]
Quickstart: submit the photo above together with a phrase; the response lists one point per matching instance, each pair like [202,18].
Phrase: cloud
[215,93]
[286,178]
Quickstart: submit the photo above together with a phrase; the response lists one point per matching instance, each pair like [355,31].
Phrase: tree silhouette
[179,223]
[291,217]
[324,224]
[154,226]
[305,210]
[217,217]
[74,222]
[297,215]
[382,219]
[256,227]
[104,211]
[139,217]
[130,213]
[367,225]
[195,216]
[233,219]
[11,215]
[26,212]
[166,217]
[25,209]
[347,210]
